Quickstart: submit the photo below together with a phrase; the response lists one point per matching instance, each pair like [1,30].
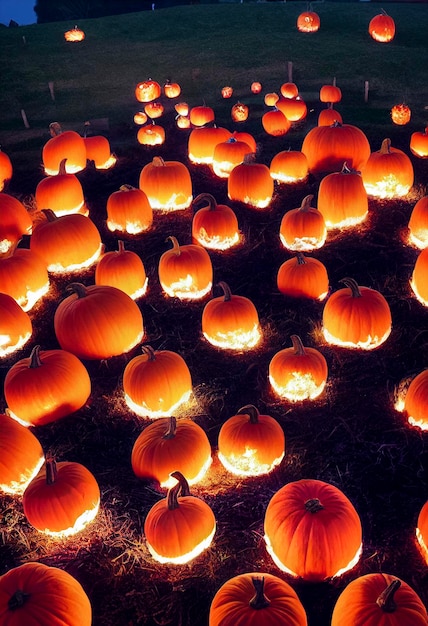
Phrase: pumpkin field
[213,317]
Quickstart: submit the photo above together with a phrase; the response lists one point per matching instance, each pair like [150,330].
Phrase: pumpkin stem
[35,360]
[181,488]
[172,428]
[306,203]
[212,203]
[126,187]
[55,129]
[77,288]
[158,161]
[18,600]
[386,599]
[353,286]
[62,169]
[259,600]
[49,214]
[301,260]
[251,411]
[175,244]
[146,349]
[51,469]
[226,290]
[385,147]
[313,505]
[120,245]
[298,346]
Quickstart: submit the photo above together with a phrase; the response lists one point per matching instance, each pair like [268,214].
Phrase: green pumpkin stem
[259,600]
[181,488]
[313,505]
[386,599]
[172,428]
[18,600]
[353,286]
[35,360]
[251,411]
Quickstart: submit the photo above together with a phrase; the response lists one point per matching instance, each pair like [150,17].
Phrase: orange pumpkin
[303,228]
[62,145]
[378,598]
[342,199]
[50,593]
[419,143]
[312,530]
[388,172]
[416,401]
[422,531]
[227,92]
[23,275]
[6,170]
[303,277]
[169,445]
[401,114]
[62,193]
[330,93]
[62,499]
[66,243]
[167,184]
[154,110]
[289,166]
[256,597]
[151,135]
[98,151]
[74,34]
[140,118]
[256,87]
[129,211]
[356,317]
[15,325]
[171,90]
[289,90]
[156,383]
[251,444]
[239,112]
[202,142]
[271,99]
[294,109]
[308,22]
[21,456]
[46,386]
[201,115]
[182,108]
[418,223]
[215,226]
[275,123]
[180,527]
[186,271]
[230,321]
[382,27]
[418,281]
[227,154]
[98,322]
[148,90]
[123,269]
[298,373]
[15,222]
[248,138]
[251,183]
[329,116]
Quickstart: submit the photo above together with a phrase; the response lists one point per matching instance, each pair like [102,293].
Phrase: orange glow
[132,228]
[348,222]
[17,487]
[248,464]
[175,202]
[167,484]
[58,268]
[298,387]
[185,558]
[422,545]
[304,244]
[388,187]
[370,344]
[107,164]
[143,411]
[80,524]
[186,289]
[235,339]
[74,34]
[7,348]
[216,242]
[417,294]
[31,297]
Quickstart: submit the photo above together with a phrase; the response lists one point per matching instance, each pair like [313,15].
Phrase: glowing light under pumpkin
[420,240]
[176,202]
[298,387]
[139,293]
[417,294]
[216,242]
[352,563]
[186,289]
[185,558]
[388,187]
[347,223]
[7,348]
[132,228]
[58,268]
[80,524]
[31,297]
[143,411]
[108,163]
[17,487]
[192,481]
[370,344]
[247,464]
[422,544]
[304,244]
[235,339]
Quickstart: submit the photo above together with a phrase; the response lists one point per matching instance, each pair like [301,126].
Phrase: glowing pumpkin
[154,110]
[289,90]
[148,90]
[256,87]
[171,89]
[294,109]
[388,172]
[23,275]
[251,183]
[422,531]
[227,154]
[140,118]
[289,166]
[419,143]
[15,325]
[202,142]
[74,34]
[186,271]
[62,145]
[312,530]
[98,151]
[401,114]
[15,222]
[303,277]
[275,123]
[416,401]
[151,135]
[123,269]
[303,228]
[62,193]
[201,115]
[6,170]
[167,184]
[342,199]
[330,93]
[298,373]
[180,527]
[329,116]
[382,27]
[239,112]
[129,211]
[215,226]
[308,22]
[418,223]
[251,444]
[227,92]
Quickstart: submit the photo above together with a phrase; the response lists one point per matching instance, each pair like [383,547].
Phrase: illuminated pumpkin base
[422,545]
[387,188]
[32,297]
[422,424]
[71,169]
[167,484]
[80,524]
[235,340]
[17,487]
[421,298]
[106,165]
[304,244]
[58,268]
[369,344]
[347,223]
[186,290]
[174,203]
[139,293]
[216,243]
[7,348]
[185,558]
[247,464]
[298,387]
[419,240]
[280,177]
[258,203]
[144,411]
[132,228]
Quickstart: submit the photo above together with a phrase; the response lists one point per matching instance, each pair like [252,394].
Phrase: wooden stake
[24,119]
[366,91]
[52,89]
[290,71]
[24,40]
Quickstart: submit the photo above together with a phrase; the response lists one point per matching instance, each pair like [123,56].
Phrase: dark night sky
[19,10]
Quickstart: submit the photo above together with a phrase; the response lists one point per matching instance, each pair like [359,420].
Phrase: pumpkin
[48,594]
[180,527]
[46,386]
[167,184]
[418,281]
[227,154]
[330,93]
[308,22]
[62,145]
[98,151]
[182,108]
[202,142]
[382,27]
[251,444]
[74,34]
[23,275]
[422,531]
[312,530]
[227,92]
[271,99]
[303,277]
[15,222]
[342,199]
[214,226]
[416,401]
[186,271]
[275,123]
[418,223]
[156,383]
[289,90]
[328,147]
[248,138]
[129,211]
[239,112]
[97,322]
[167,445]
[171,89]
[62,193]
[21,456]
[289,166]
[182,121]
[356,317]
[401,114]
[256,597]
[123,269]
[329,116]
[148,90]
[378,598]
[298,373]
[140,118]
[6,170]
[230,321]
[303,228]
[66,243]
[251,183]
[154,110]
[419,143]
[15,325]
[388,172]
[201,115]
[256,87]
[151,135]
[294,109]
[62,499]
